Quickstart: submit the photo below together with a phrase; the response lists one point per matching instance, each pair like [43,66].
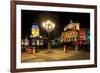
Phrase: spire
[71,21]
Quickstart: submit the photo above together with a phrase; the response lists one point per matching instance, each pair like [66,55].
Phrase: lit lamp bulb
[44,24]
[53,25]
[48,22]
[49,27]
[46,27]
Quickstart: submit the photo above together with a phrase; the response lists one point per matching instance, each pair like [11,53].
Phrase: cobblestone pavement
[55,55]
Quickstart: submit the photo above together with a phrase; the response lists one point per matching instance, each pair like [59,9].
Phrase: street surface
[55,55]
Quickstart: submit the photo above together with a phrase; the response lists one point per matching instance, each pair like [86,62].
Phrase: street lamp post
[48,26]
[76,40]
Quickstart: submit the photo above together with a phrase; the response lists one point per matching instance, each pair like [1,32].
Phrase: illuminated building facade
[71,32]
[36,39]
[69,35]
[84,36]
[73,26]
[35,30]
[25,42]
[77,37]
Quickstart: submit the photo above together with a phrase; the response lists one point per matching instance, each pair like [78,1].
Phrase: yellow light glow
[35,32]
[37,42]
[53,25]
[44,24]
[48,25]
[48,22]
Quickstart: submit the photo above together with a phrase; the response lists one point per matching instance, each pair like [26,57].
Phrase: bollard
[65,49]
[34,50]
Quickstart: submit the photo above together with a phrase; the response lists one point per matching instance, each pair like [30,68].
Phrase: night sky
[61,19]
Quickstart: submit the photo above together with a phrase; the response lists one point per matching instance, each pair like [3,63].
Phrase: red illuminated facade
[83,36]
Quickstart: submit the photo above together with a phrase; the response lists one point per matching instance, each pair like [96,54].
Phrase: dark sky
[61,19]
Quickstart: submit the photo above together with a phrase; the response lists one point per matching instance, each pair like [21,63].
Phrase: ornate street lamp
[48,26]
